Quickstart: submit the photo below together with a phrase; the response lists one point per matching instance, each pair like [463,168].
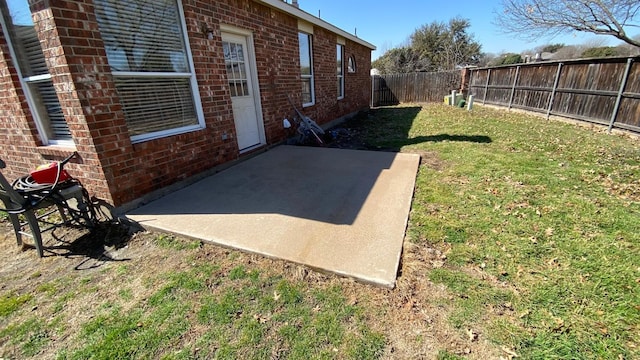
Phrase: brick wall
[119,171]
[357,85]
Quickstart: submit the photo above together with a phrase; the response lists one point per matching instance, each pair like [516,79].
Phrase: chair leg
[32,221]
[15,221]
[62,213]
[78,205]
[84,205]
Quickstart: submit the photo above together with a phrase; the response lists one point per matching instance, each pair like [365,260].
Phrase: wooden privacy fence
[413,87]
[602,91]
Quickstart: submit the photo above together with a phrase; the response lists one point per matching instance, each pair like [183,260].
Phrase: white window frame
[310,76]
[340,71]
[25,82]
[191,76]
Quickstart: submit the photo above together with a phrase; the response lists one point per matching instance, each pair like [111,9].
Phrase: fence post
[623,84]
[513,88]
[553,91]
[464,81]
[416,91]
[486,86]
[372,87]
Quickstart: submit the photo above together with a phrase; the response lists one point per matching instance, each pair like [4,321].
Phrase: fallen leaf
[509,351]
[353,300]
[261,319]
[559,324]
[409,304]
[276,296]
[472,335]
[549,232]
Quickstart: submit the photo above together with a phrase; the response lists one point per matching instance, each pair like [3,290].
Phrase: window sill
[55,151]
[137,139]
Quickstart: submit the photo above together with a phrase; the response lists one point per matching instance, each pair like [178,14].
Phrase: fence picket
[601,91]
[413,87]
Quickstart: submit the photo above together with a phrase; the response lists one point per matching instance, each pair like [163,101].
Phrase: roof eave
[303,15]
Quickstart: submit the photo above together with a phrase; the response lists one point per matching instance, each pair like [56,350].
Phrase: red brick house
[152,92]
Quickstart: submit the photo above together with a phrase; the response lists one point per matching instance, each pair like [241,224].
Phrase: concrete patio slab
[336,210]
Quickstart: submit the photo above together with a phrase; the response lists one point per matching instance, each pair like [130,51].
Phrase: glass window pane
[232,89]
[226,48]
[49,110]
[339,70]
[306,91]
[242,71]
[230,72]
[30,62]
[145,37]
[142,36]
[306,68]
[156,104]
[240,52]
[352,65]
[236,69]
[305,58]
[339,59]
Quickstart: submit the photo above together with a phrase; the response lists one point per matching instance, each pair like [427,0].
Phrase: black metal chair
[30,207]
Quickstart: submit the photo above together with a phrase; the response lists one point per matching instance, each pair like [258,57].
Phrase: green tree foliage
[552,47]
[603,51]
[508,59]
[433,47]
[401,60]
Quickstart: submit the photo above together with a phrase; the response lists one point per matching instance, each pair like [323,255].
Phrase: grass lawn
[523,240]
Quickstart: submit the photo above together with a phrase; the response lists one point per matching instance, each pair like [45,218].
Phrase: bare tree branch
[532,19]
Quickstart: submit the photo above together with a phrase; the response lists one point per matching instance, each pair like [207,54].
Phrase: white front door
[238,59]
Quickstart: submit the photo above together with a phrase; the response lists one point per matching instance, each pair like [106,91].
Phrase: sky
[388,24]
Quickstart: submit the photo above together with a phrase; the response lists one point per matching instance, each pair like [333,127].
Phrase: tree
[400,60]
[434,47]
[629,50]
[446,45]
[508,59]
[551,48]
[533,19]
[603,51]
